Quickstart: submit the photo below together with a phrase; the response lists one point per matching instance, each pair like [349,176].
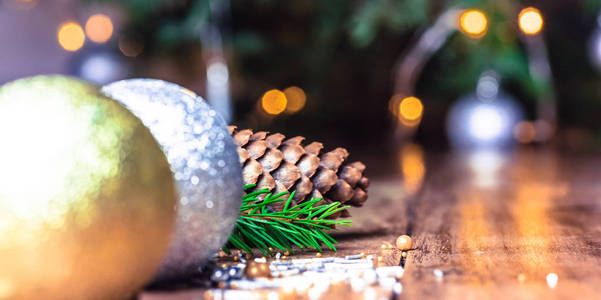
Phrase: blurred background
[367,75]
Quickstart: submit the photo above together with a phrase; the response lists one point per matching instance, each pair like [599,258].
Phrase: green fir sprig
[303,225]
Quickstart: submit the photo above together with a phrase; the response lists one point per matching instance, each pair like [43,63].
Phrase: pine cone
[271,161]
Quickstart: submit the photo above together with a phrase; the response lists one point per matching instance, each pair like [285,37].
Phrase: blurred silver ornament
[98,65]
[485,119]
[204,163]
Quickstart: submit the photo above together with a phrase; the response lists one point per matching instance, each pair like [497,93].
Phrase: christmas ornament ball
[86,196]
[204,162]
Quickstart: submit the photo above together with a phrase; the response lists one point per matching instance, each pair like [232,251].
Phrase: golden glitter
[257,269]
[318,254]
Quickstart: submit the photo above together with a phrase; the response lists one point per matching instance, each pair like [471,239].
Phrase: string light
[296,99]
[530,21]
[473,22]
[71,36]
[410,111]
[99,28]
[274,102]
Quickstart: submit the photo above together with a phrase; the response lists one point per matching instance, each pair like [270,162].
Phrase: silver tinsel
[204,163]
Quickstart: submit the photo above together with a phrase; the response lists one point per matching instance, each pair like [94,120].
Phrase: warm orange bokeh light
[71,36]
[412,167]
[473,23]
[411,109]
[99,28]
[530,21]
[524,132]
[274,102]
[296,98]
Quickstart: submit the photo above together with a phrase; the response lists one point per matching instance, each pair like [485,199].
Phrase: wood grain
[495,225]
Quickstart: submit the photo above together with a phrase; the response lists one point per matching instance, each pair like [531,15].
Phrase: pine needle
[302,225]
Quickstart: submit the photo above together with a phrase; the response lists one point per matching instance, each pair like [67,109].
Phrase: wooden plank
[494,225]
[498,230]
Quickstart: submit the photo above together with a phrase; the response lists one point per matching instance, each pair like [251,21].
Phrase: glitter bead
[403,242]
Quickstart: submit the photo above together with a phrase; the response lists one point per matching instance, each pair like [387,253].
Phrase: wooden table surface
[495,224]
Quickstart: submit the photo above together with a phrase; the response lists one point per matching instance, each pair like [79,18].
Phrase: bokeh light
[530,20]
[473,22]
[101,67]
[99,28]
[552,279]
[484,165]
[130,46]
[71,36]
[274,102]
[296,98]
[412,167]
[524,132]
[475,123]
[410,111]
[486,123]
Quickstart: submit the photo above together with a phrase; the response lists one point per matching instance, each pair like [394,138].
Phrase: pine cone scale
[284,165]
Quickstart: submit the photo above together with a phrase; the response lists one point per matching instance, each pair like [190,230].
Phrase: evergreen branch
[302,225]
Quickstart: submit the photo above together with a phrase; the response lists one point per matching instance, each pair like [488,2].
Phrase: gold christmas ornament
[86,195]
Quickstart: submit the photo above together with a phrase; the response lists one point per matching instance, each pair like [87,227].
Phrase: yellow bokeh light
[412,167]
[411,109]
[99,28]
[296,98]
[71,36]
[473,22]
[530,21]
[274,102]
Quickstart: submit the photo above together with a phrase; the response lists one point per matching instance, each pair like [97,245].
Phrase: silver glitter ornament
[204,162]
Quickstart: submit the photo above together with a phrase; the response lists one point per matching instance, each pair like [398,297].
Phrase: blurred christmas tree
[343,54]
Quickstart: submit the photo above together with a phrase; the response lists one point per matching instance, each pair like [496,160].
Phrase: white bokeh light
[486,123]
